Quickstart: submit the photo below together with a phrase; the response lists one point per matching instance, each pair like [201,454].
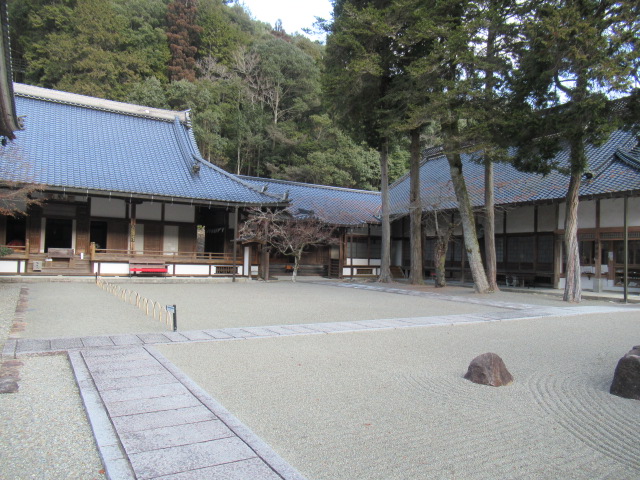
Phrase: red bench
[147,265]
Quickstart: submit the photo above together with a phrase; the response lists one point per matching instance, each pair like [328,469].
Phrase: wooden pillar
[557,252]
[598,246]
[535,240]
[463,258]
[34,229]
[132,227]
[368,244]
[625,277]
[235,243]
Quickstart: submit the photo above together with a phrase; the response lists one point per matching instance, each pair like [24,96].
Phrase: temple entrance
[58,233]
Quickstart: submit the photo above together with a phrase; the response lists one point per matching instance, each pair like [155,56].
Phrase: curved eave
[161,198]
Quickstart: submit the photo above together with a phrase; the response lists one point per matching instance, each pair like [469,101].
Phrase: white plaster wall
[561,212]
[191,269]
[358,261]
[612,212]
[520,220]
[587,214]
[111,268]
[346,272]
[108,207]
[170,240]
[149,211]
[179,213]
[9,266]
[546,218]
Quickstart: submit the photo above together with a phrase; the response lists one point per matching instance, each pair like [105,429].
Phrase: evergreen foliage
[255,93]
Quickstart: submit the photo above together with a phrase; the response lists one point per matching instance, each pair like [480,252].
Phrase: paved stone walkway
[20,346]
[152,422]
[438,296]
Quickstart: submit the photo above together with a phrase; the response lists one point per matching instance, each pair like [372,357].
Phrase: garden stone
[489,369]
[626,379]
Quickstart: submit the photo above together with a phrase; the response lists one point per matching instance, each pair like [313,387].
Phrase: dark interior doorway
[16,231]
[98,234]
[58,233]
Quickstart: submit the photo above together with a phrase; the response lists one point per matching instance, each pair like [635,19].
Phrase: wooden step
[396,272]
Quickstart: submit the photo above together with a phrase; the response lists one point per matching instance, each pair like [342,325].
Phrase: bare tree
[289,235]
[443,224]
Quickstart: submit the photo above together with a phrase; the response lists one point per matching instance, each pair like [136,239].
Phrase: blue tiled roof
[82,145]
[615,166]
[338,206]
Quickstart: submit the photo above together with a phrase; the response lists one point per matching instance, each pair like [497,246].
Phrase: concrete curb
[115,461]
[264,451]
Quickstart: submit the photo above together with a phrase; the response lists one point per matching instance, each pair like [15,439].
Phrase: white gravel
[283,303]
[45,433]
[393,404]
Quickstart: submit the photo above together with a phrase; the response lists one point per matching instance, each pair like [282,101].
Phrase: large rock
[626,379]
[488,369]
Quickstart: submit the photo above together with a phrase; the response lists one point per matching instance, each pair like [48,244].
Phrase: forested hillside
[254,91]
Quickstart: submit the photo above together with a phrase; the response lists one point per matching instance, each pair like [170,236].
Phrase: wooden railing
[97,254]
[19,251]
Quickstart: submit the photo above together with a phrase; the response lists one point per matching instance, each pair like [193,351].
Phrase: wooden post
[132,228]
[625,278]
[598,257]
[235,243]
[92,251]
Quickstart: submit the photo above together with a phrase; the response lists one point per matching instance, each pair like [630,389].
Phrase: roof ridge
[314,185]
[630,158]
[195,152]
[85,101]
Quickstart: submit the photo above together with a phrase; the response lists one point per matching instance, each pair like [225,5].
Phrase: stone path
[151,422]
[20,346]
[439,296]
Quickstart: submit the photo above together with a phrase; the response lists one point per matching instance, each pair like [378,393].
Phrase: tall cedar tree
[359,67]
[405,99]
[182,34]
[449,73]
[579,53]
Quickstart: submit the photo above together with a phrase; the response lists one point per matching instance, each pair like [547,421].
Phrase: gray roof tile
[335,205]
[615,166]
[75,146]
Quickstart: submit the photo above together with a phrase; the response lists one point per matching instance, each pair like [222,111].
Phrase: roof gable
[109,147]
[335,205]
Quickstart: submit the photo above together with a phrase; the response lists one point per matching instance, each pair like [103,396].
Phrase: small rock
[626,379]
[488,369]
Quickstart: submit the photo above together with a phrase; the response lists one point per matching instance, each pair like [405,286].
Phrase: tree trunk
[416,277]
[385,249]
[296,264]
[572,287]
[489,227]
[440,254]
[471,245]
